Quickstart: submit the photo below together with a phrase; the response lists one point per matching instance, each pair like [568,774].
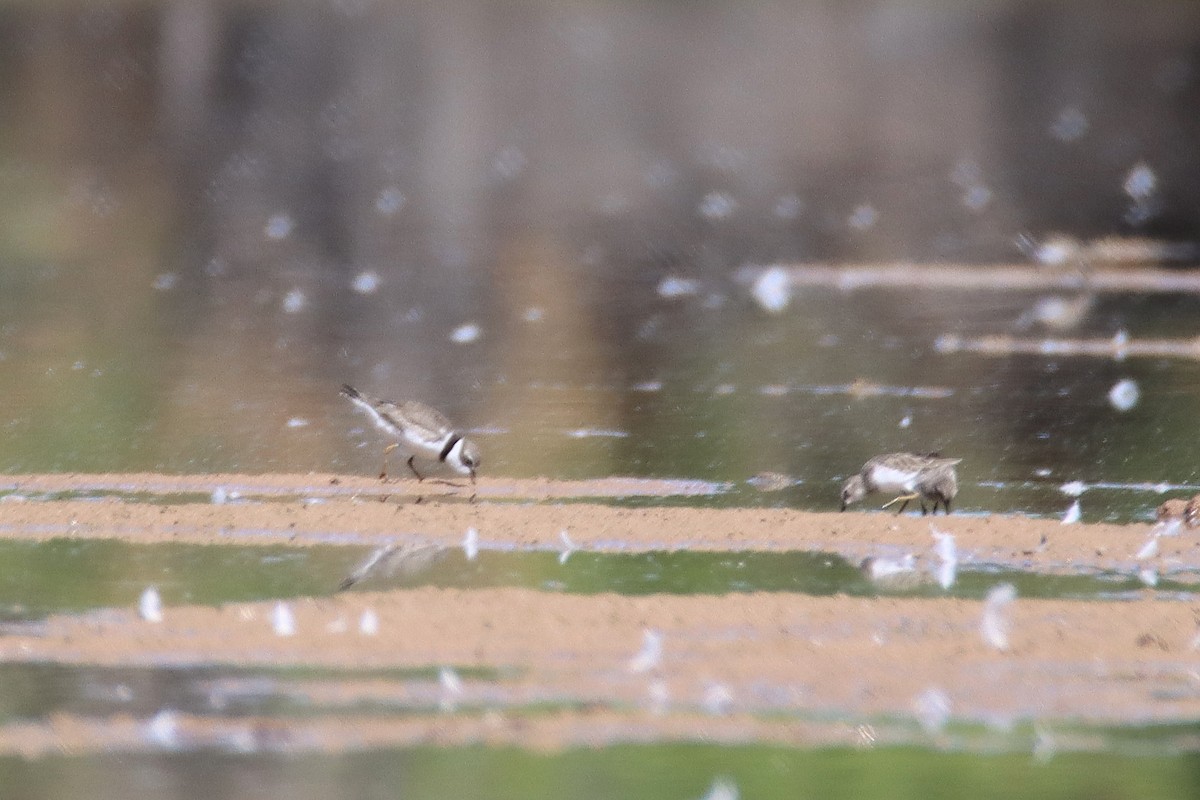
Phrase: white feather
[947,554]
[1073,488]
[150,606]
[883,568]
[650,656]
[933,709]
[368,623]
[995,623]
[282,621]
[722,789]
[451,689]
[1149,549]
[568,546]
[718,699]
[470,544]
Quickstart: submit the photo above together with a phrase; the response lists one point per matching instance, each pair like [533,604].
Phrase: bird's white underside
[889,479]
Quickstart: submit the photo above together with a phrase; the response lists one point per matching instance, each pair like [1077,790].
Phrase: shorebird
[1174,509]
[1191,514]
[1178,511]
[419,431]
[914,477]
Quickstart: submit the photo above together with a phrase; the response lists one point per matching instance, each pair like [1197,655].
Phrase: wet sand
[772,667]
[349,510]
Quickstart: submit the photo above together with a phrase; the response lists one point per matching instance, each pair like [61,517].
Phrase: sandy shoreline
[737,661]
[305,510]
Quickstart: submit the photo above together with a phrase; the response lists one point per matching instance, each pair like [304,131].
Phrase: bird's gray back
[910,461]
[420,419]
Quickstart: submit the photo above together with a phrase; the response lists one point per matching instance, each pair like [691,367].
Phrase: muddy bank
[327,509]
[769,667]
[759,667]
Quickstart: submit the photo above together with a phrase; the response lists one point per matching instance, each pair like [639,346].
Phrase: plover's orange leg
[386,450]
[907,498]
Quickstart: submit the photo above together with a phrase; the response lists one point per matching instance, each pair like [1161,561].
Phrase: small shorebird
[914,477]
[420,431]
[1191,514]
[1179,511]
[1174,509]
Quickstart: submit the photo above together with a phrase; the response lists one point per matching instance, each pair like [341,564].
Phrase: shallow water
[75,575]
[35,691]
[546,224]
[809,395]
[653,771]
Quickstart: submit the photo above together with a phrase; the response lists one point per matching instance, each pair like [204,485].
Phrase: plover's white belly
[421,446]
[890,479]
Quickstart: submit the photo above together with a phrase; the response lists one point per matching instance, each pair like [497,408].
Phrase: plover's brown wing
[422,421]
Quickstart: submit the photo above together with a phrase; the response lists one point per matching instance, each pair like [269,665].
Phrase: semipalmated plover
[914,477]
[1191,514]
[1178,511]
[420,431]
[1174,509]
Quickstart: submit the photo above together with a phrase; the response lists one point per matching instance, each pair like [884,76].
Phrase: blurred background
[550,220]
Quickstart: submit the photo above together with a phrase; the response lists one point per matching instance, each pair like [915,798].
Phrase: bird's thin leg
[414,469]
[946,505]
[386,450]
[906,498]
[924,511]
